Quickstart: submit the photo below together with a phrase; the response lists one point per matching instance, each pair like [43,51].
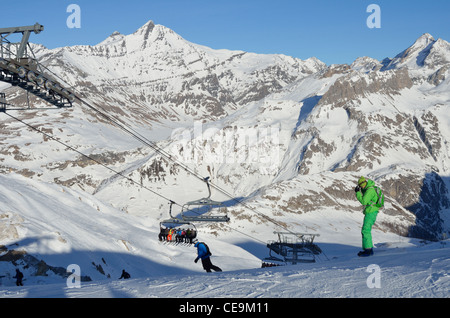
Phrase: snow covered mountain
[287,137]
[159,75]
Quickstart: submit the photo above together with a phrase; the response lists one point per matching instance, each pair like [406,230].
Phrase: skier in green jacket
[367,196]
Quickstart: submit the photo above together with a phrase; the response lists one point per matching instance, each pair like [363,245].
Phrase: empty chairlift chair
[204,210]
[293,248]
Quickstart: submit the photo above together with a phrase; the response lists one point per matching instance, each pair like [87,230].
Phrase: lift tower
[19,67]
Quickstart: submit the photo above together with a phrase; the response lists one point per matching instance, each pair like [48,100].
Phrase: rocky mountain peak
[424,40]
[424,52]
[146,29]
[113,38]
[366,64]
[369,118]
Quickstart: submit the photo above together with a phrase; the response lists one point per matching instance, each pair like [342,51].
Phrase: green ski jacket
[368,197]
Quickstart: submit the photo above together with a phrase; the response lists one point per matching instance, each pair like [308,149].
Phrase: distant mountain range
[289,137]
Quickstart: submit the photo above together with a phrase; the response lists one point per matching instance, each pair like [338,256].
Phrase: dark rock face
[433,198]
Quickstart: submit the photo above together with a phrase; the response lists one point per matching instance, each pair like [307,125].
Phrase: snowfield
[88,233]
[285,137]
[405,270]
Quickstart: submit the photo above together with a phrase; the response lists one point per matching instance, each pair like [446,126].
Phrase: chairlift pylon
[20,68]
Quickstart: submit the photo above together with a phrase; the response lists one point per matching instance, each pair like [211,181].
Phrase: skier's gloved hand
[196,260]
[357,189]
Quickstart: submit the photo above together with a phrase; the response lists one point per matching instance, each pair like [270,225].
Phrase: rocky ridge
[383,119]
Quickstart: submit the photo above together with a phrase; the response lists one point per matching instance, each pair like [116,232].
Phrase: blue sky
[334,31]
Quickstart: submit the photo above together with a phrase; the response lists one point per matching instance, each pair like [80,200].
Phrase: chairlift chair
[176,223]
[293,248]
[201,205]
[173,221]
[187,220]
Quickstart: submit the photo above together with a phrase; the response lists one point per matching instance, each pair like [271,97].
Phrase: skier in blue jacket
[204,254]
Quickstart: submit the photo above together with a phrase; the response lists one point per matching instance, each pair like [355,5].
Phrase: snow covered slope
[287,137]
[402,270]
[60,226]
[67,227]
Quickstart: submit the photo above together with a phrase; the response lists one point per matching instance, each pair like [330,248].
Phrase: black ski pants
[208,266]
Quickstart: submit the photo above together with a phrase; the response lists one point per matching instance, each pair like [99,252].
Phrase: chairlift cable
[88,157]
[114,171]
[170,158]
[126,128]
[189,170]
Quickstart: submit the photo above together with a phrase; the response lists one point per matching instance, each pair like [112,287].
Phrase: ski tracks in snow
[413,272]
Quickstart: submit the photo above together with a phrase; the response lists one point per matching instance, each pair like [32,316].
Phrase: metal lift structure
[196,211]
[175,223]
[19,67]
[201,209]
[3,102]
[293,248]
[205,209]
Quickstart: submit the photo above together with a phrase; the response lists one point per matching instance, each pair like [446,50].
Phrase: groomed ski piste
[406,270]
[64,226]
